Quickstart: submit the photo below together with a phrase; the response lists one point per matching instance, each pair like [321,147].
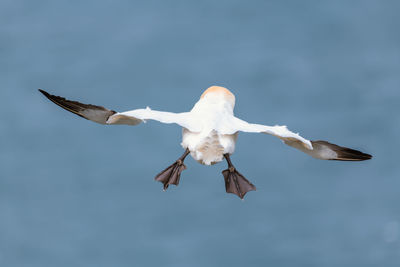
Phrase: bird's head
[218,93]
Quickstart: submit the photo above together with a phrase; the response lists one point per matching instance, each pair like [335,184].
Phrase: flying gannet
[209,134]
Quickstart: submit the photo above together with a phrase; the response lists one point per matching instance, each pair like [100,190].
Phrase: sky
[75,193]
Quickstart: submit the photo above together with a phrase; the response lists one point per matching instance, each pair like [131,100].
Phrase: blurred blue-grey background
[75,193]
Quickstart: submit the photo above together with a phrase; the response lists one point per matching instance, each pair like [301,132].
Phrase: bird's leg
[235,183]
[172,174]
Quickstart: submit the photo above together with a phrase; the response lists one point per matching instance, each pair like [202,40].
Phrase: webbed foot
[172,174]
[235,182]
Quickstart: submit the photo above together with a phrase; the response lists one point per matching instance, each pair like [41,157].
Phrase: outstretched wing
[317,149]
[103,115]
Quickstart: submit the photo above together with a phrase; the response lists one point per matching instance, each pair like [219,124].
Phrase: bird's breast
[208,147]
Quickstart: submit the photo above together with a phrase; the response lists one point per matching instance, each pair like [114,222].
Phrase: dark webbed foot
[172,174]
[235,182]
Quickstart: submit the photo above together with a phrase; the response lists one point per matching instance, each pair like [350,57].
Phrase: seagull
[209,134]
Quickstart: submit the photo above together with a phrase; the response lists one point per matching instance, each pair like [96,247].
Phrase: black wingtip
[343,153]
[51,97]
[352,154]
[368,156]
[44,92]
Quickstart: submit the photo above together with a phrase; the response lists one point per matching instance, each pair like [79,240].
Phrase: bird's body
[208,147]
[213,109]
[209,134]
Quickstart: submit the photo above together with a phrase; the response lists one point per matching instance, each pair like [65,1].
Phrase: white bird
[209,134]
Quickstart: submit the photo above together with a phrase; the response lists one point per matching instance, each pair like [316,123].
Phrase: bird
[209,134]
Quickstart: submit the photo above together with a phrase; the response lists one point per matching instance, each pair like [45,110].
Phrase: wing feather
[279,131]
[103,115]
[94,113]
[317,149]
[183,119]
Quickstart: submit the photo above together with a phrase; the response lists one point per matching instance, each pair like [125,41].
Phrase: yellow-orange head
[221,92]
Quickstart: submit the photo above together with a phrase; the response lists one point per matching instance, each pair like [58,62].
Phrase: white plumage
[209,134]
[210,128]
